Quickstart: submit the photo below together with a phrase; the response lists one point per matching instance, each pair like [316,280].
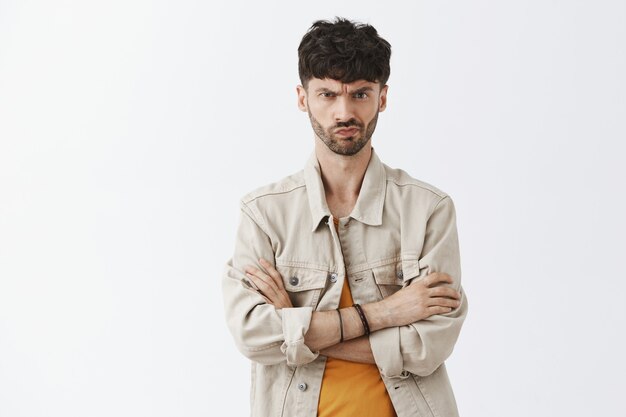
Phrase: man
[344,287]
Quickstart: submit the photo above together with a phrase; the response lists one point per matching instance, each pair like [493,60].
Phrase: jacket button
[333,277]
[399,274]
[294,280]
[302,386]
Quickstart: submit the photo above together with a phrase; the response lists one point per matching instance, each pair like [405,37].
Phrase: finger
[279,300]
[263,287]
[444,292]
[263,276]
[267,300]
[273,273]
[437,278]
[281,296]
[286,301]
[443,302]
[253,282]
[438,310]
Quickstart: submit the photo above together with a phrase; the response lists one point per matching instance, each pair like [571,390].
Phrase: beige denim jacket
[400,229]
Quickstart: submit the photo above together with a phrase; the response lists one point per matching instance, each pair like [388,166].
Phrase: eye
[361,95]
[327,94]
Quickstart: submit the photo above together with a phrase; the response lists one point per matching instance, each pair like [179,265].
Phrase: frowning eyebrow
[358,90]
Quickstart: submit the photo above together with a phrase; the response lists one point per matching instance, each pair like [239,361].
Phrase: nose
[343,109]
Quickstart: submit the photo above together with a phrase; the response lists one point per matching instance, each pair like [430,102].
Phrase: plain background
[130,129]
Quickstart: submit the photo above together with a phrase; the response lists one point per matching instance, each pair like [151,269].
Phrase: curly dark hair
[345,51]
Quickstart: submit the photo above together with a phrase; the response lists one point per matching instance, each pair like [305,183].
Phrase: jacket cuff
[296,321]
[385,344]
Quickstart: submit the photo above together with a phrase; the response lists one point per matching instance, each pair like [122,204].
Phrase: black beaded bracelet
[340,327]
[366,325]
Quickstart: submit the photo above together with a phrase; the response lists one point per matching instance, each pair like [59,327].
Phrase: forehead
[336,85]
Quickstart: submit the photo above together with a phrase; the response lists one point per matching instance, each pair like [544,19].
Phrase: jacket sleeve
[261,332]
[421,347]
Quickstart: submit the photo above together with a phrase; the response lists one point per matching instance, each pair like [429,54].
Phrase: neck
[342,176]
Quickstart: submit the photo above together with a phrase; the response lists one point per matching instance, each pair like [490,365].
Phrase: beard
[344,145]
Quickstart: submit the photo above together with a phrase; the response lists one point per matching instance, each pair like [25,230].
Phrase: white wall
[129,130]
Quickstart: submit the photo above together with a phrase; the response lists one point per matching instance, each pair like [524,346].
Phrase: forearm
[324,330]
[355,350]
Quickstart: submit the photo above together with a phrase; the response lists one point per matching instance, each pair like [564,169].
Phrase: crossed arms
[412,303]
[413,330]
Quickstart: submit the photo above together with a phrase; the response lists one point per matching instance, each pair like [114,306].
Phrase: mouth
[347,132]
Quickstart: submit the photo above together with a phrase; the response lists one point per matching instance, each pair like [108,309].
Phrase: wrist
[377,315]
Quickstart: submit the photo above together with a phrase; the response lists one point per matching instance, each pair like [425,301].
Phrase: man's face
[343,116]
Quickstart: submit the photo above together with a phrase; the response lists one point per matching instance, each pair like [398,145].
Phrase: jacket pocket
[409,269]
[388,278]
[304,285]
[393,276]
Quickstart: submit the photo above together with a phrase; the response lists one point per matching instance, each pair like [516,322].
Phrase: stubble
[340,144]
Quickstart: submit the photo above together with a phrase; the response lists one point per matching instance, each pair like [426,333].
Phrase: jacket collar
[369,205]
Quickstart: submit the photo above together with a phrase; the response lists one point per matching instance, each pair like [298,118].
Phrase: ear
[301,98]
[382,98]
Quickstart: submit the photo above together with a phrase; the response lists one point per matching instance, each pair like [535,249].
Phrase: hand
[422,299]
[270,286]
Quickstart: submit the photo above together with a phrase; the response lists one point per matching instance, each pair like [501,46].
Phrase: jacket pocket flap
[410,269]
[396,273]
[390,274]
[302,279]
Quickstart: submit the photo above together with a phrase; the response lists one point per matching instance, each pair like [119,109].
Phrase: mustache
[349,123]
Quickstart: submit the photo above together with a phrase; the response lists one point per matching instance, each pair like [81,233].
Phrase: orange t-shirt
[352,388]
